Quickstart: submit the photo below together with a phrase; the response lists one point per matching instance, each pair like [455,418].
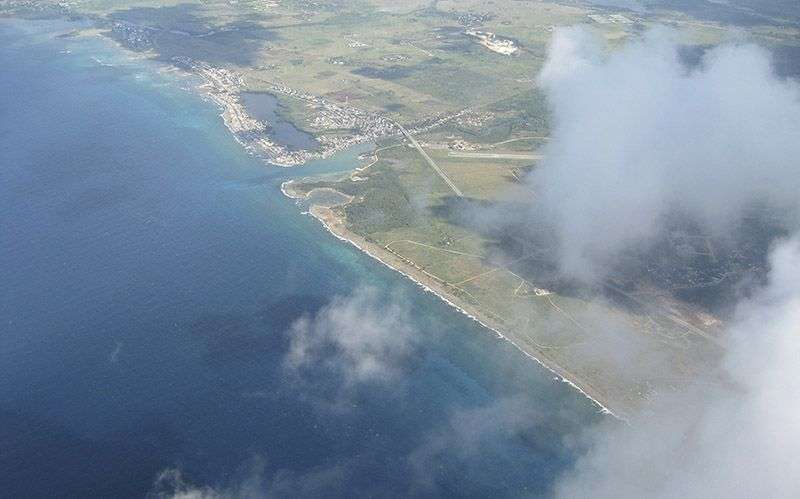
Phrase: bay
[152,273]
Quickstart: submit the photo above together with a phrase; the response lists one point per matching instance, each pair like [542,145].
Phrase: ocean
[152,273]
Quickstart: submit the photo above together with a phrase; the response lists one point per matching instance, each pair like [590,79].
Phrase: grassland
[399,211]
[408,60]
[411,62]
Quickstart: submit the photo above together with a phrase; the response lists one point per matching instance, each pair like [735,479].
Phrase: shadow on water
[44,456]
[94,200]
[229,338]
[152,337]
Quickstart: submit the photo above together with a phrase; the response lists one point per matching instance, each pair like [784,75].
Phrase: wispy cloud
[739,440]
[637,134]
[362,339]
[255,483]
[469,433]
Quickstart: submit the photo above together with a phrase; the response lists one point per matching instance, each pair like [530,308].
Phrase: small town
[224,87]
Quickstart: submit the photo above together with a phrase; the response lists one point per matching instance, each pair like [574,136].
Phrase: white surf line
[553,371]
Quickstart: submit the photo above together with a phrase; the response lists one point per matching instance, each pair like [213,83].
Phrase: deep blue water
[150,274]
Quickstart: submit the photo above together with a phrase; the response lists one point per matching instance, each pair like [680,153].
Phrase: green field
[412,61]
[408,60]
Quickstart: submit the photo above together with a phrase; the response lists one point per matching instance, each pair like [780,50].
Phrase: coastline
[336,226]
[222,87]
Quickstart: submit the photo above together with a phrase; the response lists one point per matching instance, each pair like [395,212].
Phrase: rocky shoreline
[224,87]
[337,226]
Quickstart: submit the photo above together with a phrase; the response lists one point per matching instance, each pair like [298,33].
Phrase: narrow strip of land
[667,314]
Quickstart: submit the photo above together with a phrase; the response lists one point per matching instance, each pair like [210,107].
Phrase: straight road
[488,155]
[430,161]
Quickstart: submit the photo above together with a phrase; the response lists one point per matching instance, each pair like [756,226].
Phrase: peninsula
[446,90]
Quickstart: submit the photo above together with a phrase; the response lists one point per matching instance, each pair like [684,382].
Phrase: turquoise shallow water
[151,272]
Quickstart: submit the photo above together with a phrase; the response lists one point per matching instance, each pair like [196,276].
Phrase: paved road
[430,161]
[667,314]
[486,155]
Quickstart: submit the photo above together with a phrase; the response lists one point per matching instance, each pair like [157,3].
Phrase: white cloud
[636,134]
[739,440]
[360,338]
[256,483]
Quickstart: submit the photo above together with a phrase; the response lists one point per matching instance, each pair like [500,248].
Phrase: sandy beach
[337,226]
